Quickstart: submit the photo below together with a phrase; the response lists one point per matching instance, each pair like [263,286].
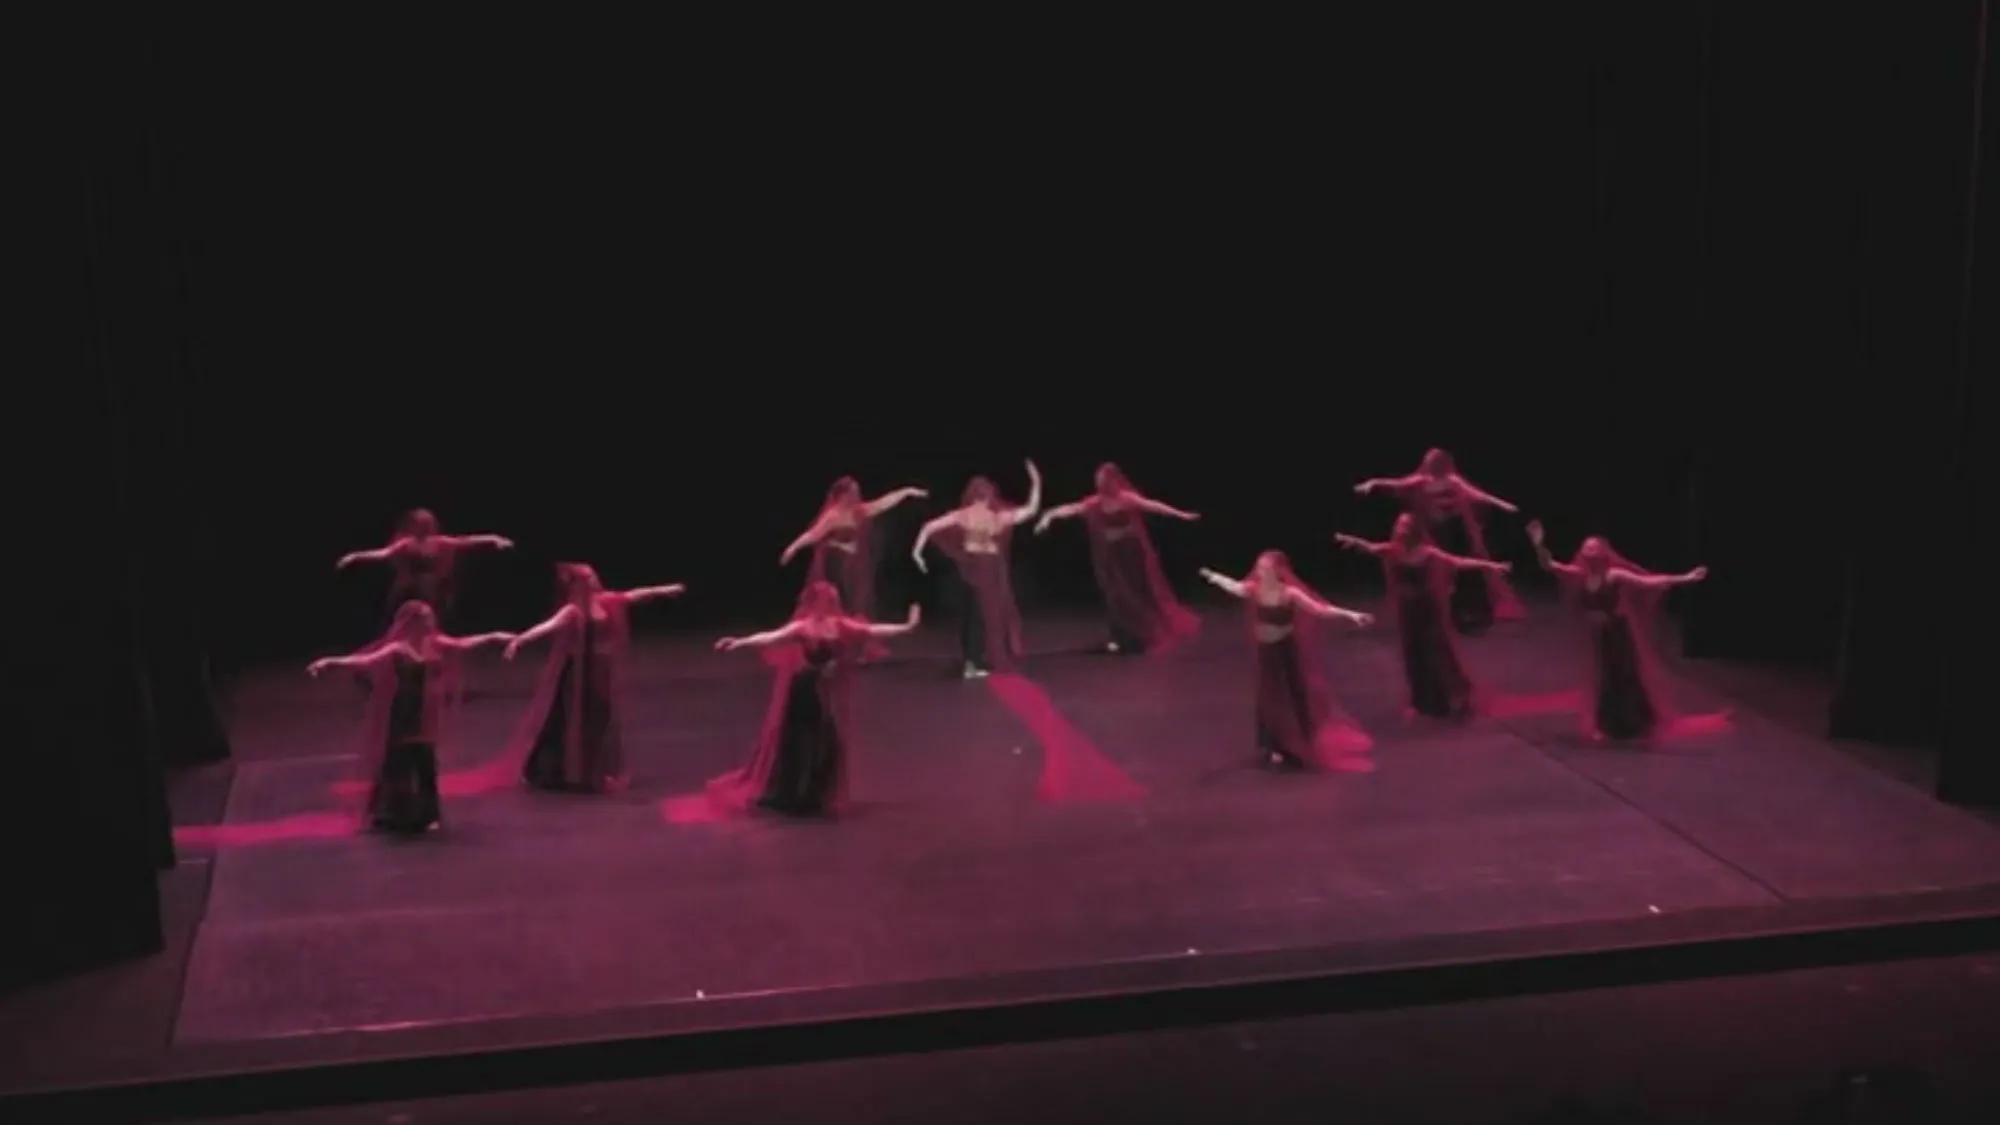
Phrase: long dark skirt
[811,755]
[405,795]
[843,570]
[600,761]
[1437,681]
[1286,725]
[1128,595]
[1471,592]
[1625,708]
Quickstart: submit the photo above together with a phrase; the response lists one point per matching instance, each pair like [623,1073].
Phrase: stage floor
[530,904]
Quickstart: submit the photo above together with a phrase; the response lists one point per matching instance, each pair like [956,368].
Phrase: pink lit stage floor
[533,905]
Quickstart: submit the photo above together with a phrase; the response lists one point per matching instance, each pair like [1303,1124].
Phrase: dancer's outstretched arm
[942,523]
[1234,587]
[1658,581]
[1479,495]
[1461,562]
[808,538]
[497,542]
[759,640]
[354,662]
[379,554]
[1033,507]
[556,621]
[652,593]
[1328,610]
[1538,537]
[890,500]
[1389,484]
[1063,512]
[891,629]
[1158,508]
[1356,543]
[477,640]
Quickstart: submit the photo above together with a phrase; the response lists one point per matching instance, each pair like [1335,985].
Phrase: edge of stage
[1818,914]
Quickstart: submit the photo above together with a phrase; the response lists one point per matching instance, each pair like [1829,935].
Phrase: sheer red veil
[844,495]
[1643,609]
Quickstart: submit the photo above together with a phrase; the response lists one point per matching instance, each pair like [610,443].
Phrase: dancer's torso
[1118,521]
[413,711]
[982,528]
[1601,599]
[1437,499]
[1274,621]
[843,533]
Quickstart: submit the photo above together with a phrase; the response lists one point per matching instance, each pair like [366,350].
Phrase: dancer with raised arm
[841,542]
[799,766]
[570,738]
[1450,507]
[977,535]
[1145,615]
[1626,700]
[1298,721]
[411,675]
[424,559]
[1420,577]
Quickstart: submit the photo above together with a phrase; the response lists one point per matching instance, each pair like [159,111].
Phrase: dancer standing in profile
[571,737]
[1449,507]
[841,542]
[1145,615]
[1298,721]
[1420,577]
[424,559]
[1626,701]
[411,675]
[977,535]
[800,764]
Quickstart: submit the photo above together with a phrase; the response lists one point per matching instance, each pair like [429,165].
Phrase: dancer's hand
[1362,619]
[347,560]
[728,644]
[318,666]
[915,616]
[1535,532]
[1698,574]
[918,558]
[673,590]
[513,647]
[1042,524]
[920,494]
[785,557]
[502,543]
[1364,488]
[1033,473]
[1503,568]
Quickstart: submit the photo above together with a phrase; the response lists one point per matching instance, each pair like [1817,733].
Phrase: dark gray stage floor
[532,904]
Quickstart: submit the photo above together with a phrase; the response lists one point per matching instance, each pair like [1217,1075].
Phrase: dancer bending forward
[1145,615]
[977,536]
[1626,700]
[1450,507]
[410,674]
[799,766]
[1298,721]
[1420,577]
[570,738]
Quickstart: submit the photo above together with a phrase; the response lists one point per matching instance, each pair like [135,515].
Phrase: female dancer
[1145,615]
[1448,505]
[409,673]
[1297,720]
[799,766]
[423,558]
[977,536]
[1420,576]
[1615,596]
[840,541]
[570,737]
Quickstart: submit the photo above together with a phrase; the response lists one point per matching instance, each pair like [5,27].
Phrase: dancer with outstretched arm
[1145,616]
[1420,576]
[424,561]
[799,766]
[978,535]
[1298,721]
[411,676]
[842,544]
[1450,508]
[571,737]
[1626,700]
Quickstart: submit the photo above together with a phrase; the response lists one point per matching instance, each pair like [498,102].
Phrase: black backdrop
[1695,278]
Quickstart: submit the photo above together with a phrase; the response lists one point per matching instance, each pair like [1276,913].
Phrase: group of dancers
[1442,579]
